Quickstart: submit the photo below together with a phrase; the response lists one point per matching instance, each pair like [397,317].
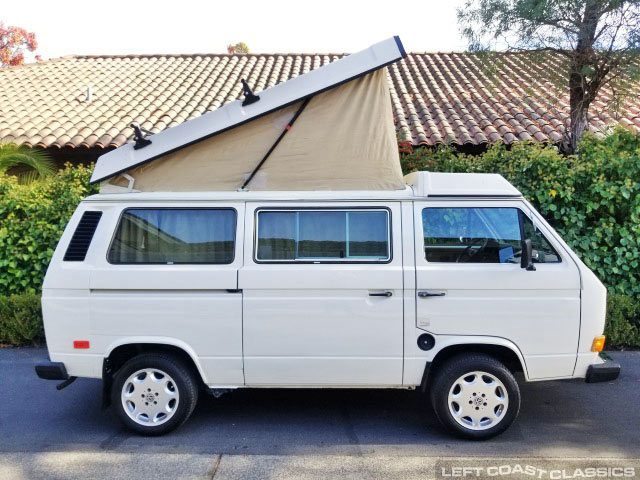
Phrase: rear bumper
[52,371]
[603,372]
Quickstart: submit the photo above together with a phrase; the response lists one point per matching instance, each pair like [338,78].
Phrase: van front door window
[481,235]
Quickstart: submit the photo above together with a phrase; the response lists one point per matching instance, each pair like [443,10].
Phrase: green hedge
[623,322]
[32,218]
[21,320]
[592,200]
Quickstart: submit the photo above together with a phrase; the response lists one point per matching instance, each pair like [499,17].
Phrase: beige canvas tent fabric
[343,140]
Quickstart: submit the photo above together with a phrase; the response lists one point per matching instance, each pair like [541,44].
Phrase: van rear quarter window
[330,235]
[174,236]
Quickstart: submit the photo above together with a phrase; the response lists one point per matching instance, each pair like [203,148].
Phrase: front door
[469,281]
[322,294]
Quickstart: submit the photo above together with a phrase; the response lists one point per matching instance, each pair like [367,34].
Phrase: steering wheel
[481,242]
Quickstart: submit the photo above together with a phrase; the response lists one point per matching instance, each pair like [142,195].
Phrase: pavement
[564,426]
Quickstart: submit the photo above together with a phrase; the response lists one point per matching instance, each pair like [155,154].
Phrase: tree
[33,162]
[239,48]
[599,39]
[13,42]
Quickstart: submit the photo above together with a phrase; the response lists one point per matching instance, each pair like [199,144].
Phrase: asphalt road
[45,433]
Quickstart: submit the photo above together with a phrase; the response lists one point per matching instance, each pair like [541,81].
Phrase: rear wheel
[154,393]
[475,396]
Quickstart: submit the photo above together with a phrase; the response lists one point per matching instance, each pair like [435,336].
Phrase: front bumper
[603,372]
[52,371]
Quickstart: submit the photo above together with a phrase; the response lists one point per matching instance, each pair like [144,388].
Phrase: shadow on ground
[557,419]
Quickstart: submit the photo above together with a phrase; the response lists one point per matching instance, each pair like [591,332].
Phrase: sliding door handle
[381,294]
[430,294]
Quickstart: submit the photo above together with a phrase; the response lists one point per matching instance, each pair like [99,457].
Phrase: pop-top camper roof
[329,129]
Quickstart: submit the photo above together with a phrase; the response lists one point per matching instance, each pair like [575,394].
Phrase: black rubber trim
[603,372]
[400,46]
[213,134]
[319,262]
[425,377]
[107,382]
[52,371]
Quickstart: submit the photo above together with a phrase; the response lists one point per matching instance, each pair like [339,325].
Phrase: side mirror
[526,259]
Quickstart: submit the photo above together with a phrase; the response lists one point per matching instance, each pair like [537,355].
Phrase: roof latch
[138,137]
[249,96]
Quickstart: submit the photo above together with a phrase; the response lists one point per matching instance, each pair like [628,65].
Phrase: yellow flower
[553,193]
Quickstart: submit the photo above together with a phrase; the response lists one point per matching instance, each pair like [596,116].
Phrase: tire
[475,396]
[154,393]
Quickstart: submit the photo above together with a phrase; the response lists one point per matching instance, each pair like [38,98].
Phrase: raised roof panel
[436,184]
[234,114]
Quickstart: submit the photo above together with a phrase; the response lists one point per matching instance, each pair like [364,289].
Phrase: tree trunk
[578,108]
[581,91]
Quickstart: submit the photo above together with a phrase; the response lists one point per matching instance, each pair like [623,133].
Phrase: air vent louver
[79,244]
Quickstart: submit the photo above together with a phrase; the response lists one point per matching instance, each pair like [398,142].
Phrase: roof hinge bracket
[249,96]
[138,137]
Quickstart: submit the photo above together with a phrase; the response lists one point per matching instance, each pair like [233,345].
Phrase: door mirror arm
[526,259]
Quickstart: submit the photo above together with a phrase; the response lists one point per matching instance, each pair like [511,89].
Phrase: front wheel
[154,393]
[475,396]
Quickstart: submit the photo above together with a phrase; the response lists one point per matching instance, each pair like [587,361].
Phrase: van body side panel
[415,359]
[253,323]
[197,305]
[65,305]
[66,314]
[539,311]
[316,323]
[594,312]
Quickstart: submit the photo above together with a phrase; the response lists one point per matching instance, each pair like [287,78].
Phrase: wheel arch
[121,351]
[501,349]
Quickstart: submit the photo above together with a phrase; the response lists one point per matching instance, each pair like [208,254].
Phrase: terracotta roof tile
[436,97]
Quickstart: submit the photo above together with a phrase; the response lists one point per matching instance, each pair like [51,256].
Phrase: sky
[67,27]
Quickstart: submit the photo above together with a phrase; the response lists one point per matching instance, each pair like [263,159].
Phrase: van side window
[481,235]
[317,235]
[174,235]
[543,252]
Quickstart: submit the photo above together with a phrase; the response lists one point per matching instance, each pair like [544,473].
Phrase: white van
[453,286]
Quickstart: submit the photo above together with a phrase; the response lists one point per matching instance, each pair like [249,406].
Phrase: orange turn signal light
[598,343]
[81,344]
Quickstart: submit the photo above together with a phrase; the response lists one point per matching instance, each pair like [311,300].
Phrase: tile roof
[437,98]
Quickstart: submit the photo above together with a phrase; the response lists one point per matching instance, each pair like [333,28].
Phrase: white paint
[539,311]
[434,184]
[315,324]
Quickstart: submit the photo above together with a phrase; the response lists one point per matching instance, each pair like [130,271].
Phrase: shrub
[623,322]
[32,219]
[592,200]
[21,319]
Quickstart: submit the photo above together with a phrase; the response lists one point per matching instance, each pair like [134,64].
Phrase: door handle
[381,294]
[430,294]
